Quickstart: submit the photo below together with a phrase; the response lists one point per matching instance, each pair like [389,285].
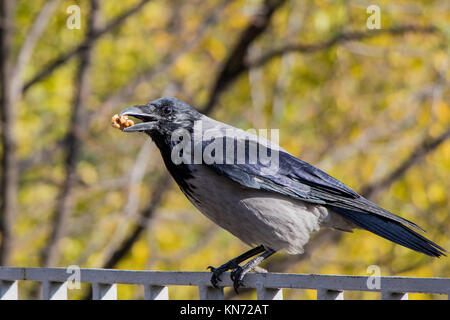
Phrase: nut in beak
[121,122]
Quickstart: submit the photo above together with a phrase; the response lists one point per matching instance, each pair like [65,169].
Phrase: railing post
[9,290]
[327,294]
[104,291]
[54,290]
[269,293]
[152,292]
[210,293]
[387,295]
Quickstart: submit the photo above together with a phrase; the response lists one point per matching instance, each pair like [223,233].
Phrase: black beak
[144,113]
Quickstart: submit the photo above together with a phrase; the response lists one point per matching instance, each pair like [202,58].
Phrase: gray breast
[256,216]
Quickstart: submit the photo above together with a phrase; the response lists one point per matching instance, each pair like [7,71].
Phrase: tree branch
[41,156]
[163,185]
[426,147]
[28,45]
[167,61]
[63,58]
[237,63]
[234,64]
[336,40]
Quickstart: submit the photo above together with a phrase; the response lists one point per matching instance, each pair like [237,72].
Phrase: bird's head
[162,117]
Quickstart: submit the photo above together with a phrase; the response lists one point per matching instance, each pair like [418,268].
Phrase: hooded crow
[256,190]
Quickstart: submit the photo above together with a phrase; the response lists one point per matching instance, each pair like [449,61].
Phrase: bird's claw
[215,278]
[237,276]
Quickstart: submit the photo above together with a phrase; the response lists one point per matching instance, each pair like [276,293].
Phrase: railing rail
[269,286]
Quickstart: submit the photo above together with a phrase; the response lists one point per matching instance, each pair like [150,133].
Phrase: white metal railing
[269,286]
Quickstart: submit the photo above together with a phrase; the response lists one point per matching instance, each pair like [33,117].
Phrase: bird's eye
[166,110]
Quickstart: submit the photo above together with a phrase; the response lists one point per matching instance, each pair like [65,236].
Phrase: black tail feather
[393,231]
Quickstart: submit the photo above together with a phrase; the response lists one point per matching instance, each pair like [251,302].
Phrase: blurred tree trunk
[73,142]
[9,168]
[11,93]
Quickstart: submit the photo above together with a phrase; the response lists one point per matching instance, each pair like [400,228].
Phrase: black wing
[298,179]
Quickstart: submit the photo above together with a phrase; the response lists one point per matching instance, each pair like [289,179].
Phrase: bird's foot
[217,272]
[237,276]
[238,273]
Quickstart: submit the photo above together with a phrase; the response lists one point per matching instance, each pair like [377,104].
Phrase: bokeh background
[370,107]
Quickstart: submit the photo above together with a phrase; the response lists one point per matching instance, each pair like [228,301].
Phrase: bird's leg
[237,275]
[233,264]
